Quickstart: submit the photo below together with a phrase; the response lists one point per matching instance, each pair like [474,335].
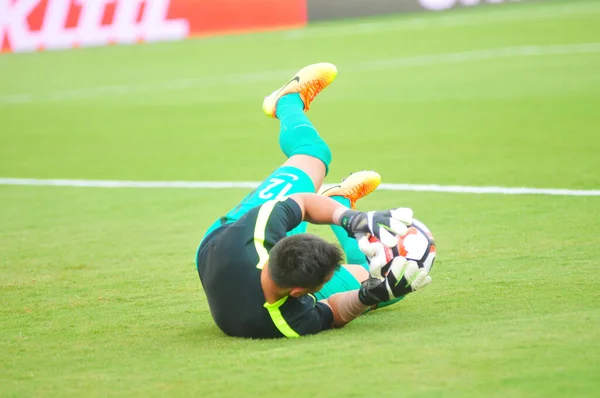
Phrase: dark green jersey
[230,261]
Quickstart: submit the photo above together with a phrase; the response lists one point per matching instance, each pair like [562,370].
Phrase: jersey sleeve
[274,219]
[306,316]
[263,226]
[285,216]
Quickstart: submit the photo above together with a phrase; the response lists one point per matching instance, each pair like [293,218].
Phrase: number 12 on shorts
[276,190]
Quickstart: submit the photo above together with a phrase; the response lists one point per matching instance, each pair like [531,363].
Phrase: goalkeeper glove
[383,225]
[401,277]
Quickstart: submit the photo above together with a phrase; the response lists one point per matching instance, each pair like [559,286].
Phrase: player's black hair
[303,260]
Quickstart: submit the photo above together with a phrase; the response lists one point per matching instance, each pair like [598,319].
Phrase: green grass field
[99,294]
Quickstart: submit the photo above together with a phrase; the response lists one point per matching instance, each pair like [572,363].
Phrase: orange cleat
[355,186]
[308,82]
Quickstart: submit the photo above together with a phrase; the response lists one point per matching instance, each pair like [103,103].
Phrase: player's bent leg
[308,154]
[300,141]
[358,272]
[343,280]
[297,134]
[283,182]
[348,192]
[312,166]
[349,245]
[354,187]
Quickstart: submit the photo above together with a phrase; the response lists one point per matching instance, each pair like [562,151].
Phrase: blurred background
[128,126]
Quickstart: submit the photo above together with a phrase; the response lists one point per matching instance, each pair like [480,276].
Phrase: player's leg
[356,186]
[348,192]
[350,276]
[308,154]
[347,278]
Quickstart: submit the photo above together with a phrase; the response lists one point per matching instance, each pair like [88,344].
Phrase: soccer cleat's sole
[308,82]
[355,186]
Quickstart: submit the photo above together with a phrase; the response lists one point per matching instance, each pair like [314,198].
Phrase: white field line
[479,55]
[277,75]
[254,184]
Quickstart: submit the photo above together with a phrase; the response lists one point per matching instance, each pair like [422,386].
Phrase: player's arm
[319,209]
[384,225]
[346,307]
[397,278]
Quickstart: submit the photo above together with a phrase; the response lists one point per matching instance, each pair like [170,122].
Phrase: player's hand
[384,225]
[397,278]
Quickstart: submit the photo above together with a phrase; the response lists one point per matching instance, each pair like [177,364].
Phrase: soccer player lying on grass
[263,276]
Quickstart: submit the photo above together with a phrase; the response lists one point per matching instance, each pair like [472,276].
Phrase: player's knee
[303,139]
[317,149]
[323,153]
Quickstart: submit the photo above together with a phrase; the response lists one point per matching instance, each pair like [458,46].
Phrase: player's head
[303,261]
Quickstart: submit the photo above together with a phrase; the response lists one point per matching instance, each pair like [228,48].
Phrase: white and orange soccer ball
[418,245]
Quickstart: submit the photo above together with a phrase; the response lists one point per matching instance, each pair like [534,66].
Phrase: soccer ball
[417,245]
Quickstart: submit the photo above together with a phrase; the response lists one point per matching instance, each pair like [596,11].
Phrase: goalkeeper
[263,276]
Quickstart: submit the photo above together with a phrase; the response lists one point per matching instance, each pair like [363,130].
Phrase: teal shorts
[342,281]
[283,182]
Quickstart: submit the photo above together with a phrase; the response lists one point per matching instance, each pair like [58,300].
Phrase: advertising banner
[32,25]
[336,9]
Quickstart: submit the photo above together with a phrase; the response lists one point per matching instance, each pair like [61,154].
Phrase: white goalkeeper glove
[384,225]
[395,278]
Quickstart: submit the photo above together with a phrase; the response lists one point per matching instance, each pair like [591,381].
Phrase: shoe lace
[310,89]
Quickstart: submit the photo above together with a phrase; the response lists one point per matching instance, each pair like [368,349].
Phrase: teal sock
[349,245]
[297,135]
